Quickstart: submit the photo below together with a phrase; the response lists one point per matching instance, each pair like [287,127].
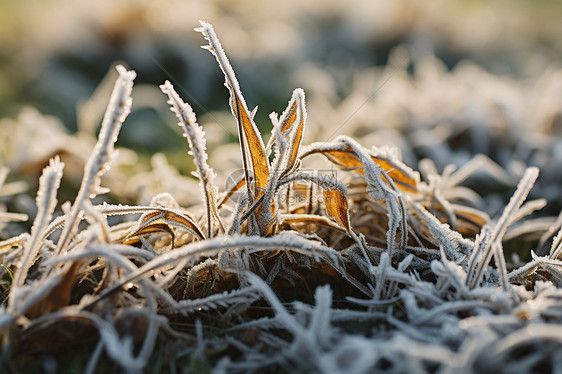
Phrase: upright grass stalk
[99,162]
[46,202]
[197,143]
[493,244]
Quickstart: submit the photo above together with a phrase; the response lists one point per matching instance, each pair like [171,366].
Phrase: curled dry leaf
[337,207]
[163,221]
[345,158]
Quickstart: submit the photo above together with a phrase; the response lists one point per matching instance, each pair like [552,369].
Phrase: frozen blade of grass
[46,201]
[325,181]
[252,147]
[379,272]
[197,144]
[497,248]
[13,217]
[528,208]
[438,314]
[235,227]
[428,352]
[480,243]
[551,266]
[522,272]
[299,124]
[556,246]
[527,334]
[287,148]
[527,181]
[6,245]
[452,242]
[245,295]
[174,217]
[343,153]
[99,161]
[320,328]
[97,219]
[335,202]
[381,186]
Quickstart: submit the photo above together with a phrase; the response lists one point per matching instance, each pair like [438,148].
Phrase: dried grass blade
[475,274]
[228,194]
[13,217]
[247,130]
[197,143]
[151,214]
[336,205]
[184,222]
[292,122]
[296,140]
[150,229]
[46,201]
[343,156]
[311,219]
[117,110]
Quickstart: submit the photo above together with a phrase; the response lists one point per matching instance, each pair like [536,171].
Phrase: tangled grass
[375,267]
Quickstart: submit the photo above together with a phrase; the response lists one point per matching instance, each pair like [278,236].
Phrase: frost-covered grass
[323,257]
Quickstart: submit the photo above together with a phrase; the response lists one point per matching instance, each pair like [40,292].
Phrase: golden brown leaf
[151,229]
[293,219]
[250,138]
[295,112]
[254,142]
[162,221]
[347,159]
[336,207]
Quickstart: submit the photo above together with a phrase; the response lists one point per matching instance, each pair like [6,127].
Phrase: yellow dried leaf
[295,146]
[250,138]
[162,220]
[151,229]
[348,159]
[311,219]
[184,222]
[295,112]
[337,207]
[253,140]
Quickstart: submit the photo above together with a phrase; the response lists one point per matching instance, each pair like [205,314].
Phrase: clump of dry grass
[370,268]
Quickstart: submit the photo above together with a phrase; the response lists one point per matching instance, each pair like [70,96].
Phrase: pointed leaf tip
[336,205]
[123,72]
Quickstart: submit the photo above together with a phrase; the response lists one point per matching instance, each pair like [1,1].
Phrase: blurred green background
[53,53]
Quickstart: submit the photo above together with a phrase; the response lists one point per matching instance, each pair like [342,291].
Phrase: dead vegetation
[372,267]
